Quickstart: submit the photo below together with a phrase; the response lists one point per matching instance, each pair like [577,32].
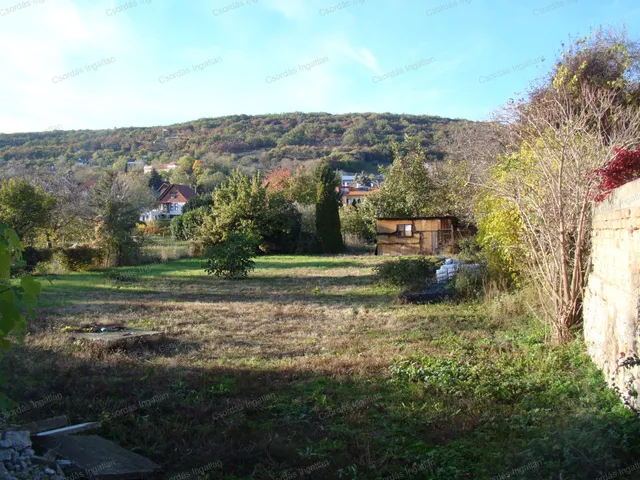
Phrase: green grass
[310,366]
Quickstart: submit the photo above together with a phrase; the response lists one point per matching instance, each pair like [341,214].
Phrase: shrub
[196,249]
[624,168]
[308,243]
[177,228]
[31,257]
[153,229]
[358,221]
[408,271]
[120,276]
[469,282]
[242,204]
[470,250]
[191,222]
[232,258]
[80,258]
[122,250]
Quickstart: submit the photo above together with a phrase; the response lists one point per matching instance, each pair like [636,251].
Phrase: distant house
[354,195]
[135,164]
[163,167]
[352,191]
[415,236]
[347,179]
[171,199]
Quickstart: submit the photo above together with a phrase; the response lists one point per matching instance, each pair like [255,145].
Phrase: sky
[95,64]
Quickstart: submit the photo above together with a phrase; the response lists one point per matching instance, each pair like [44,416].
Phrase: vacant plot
[310,369]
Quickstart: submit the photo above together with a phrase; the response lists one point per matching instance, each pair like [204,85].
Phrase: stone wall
[612,301]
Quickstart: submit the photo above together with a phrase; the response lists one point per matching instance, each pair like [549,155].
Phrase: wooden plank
[44,425]
[81,427]
[99,457]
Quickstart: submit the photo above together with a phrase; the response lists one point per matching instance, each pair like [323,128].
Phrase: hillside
[353,142]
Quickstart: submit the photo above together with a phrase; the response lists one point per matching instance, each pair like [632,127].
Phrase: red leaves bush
[622,169]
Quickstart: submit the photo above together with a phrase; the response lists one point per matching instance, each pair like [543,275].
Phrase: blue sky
[157,62]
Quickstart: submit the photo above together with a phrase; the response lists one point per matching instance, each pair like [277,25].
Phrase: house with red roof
[171,199]
[354,195]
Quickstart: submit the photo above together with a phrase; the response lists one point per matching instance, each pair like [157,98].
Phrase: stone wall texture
[612,300]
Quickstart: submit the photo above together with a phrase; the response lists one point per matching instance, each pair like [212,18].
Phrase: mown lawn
[310,369]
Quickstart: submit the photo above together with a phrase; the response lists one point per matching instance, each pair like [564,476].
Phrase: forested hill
[353,142]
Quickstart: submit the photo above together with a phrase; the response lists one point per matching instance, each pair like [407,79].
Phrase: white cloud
[361,55]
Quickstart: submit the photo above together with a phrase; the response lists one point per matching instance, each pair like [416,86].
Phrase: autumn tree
[277,181]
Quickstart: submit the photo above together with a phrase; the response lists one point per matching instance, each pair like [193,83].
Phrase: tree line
[350,142]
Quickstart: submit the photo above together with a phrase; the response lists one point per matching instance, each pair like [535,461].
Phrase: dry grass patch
[295,365]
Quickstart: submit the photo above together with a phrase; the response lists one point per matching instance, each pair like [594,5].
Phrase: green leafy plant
[470,250]
[15,300]
[408,272]
[79,258]
[242,204]
[469,283]
[232,258]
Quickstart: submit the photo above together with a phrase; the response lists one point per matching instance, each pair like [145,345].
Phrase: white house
[170,202]
[163,167]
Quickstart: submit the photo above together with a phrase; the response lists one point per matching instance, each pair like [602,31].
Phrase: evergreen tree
[155,180]
[327,214]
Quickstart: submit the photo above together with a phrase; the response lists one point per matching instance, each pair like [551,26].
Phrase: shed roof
[418,218]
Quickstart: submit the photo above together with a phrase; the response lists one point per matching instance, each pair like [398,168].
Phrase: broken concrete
[118,338]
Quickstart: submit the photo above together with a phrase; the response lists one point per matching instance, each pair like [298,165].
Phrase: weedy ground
[309,368]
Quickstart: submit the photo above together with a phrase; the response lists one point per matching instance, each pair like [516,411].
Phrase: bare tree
[550,182]
[472,149]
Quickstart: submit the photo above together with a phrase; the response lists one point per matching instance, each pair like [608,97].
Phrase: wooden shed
[415,236]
